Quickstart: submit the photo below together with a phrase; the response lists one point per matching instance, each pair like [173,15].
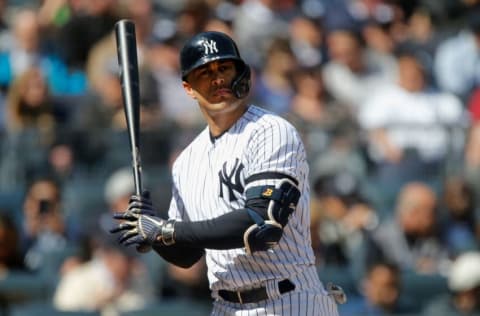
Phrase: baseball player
[240,196]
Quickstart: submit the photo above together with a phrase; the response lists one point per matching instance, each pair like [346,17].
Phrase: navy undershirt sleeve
[223,232]
[181,256]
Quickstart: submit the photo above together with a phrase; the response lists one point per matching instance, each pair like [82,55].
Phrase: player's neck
[219,122]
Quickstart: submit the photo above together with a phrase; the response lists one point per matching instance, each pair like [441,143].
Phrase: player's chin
[222,102]
[223,107]
[219,106]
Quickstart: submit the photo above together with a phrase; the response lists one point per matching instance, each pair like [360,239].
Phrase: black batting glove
[140,225]
[141,204]
[138,229]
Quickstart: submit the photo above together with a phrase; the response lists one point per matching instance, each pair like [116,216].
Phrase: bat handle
[137,171]
[137,178]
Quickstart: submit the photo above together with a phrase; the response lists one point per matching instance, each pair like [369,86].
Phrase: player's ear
[188,89]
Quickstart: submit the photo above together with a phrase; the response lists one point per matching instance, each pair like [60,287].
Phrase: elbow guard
[282,200]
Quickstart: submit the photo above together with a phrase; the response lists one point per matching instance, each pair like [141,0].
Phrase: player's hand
[139,225]
[141,204]
[137,228]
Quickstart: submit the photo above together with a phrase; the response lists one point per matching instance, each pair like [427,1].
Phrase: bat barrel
[128,62]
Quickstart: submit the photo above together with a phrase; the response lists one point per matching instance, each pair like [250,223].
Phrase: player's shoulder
[262,119]
[189,152]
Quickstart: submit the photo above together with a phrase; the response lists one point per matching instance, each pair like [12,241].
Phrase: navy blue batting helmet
[206,47]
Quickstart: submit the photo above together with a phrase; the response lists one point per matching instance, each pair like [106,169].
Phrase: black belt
[256,294]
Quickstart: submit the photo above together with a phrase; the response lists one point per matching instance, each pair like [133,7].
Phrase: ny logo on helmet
[210,47]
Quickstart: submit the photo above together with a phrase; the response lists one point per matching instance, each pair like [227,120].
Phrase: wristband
[168,232]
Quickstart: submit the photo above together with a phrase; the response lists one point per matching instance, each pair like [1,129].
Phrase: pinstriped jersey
[211,176]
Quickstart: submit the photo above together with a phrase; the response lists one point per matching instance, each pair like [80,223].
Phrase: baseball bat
[129,78]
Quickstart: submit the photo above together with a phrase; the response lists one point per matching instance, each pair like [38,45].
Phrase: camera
[45,206]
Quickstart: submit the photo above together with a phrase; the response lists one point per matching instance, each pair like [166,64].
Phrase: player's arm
[182,256]
[258,226]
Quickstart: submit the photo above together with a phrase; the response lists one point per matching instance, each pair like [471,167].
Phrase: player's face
[211,84]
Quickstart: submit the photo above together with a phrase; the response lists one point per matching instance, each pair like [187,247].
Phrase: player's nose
[218,80]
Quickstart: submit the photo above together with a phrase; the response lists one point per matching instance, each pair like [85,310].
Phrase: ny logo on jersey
[231,179]
[210,47]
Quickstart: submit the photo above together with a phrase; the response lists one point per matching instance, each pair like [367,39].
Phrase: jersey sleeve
[276,150]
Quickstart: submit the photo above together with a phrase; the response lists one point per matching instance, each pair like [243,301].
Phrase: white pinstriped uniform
[210,178]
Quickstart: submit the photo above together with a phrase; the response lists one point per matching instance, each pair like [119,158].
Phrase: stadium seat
[18,287]
[44,308]
[421,289]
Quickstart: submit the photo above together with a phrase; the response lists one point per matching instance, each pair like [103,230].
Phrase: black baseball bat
[128,62]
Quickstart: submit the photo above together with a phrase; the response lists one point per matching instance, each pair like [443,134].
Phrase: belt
[256,294]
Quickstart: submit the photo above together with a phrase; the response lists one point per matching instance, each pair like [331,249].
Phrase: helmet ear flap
[241,84]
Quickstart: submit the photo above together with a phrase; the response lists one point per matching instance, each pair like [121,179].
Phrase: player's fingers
[129,216]
[134,240]
[135,197]
[120,215]
[116,230]
[140,205]
[131,234]
[141,211]
[122,227]
[146,194]
[140,199]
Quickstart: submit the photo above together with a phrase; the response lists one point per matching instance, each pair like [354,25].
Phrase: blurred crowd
[386,95]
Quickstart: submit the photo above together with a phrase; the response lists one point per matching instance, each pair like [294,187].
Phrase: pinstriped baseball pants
[290,304]
[308,299]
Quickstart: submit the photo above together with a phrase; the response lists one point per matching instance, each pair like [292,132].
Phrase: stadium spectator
[11,258]
[423,37]
[464,286]
[192,18]
[272,87]
[34,120]
[457,62]
[344,220]
[410,129]
[381,291]
[471,165]
[58,42]
[411,238]
[89,21]
[113,280]
[26,51]
[307,41]
[458,215]
[352,74]
[48,235]
[162,59]
[256,24]
[322,121]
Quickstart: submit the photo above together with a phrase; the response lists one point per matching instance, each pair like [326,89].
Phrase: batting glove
[141,226]
[141,204]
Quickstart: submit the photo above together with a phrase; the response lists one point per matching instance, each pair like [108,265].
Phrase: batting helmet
[206,47]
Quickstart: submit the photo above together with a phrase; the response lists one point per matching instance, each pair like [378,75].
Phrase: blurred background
[386,95]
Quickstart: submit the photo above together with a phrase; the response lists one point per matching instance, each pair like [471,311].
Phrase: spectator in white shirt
[457,61]
[409,128]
